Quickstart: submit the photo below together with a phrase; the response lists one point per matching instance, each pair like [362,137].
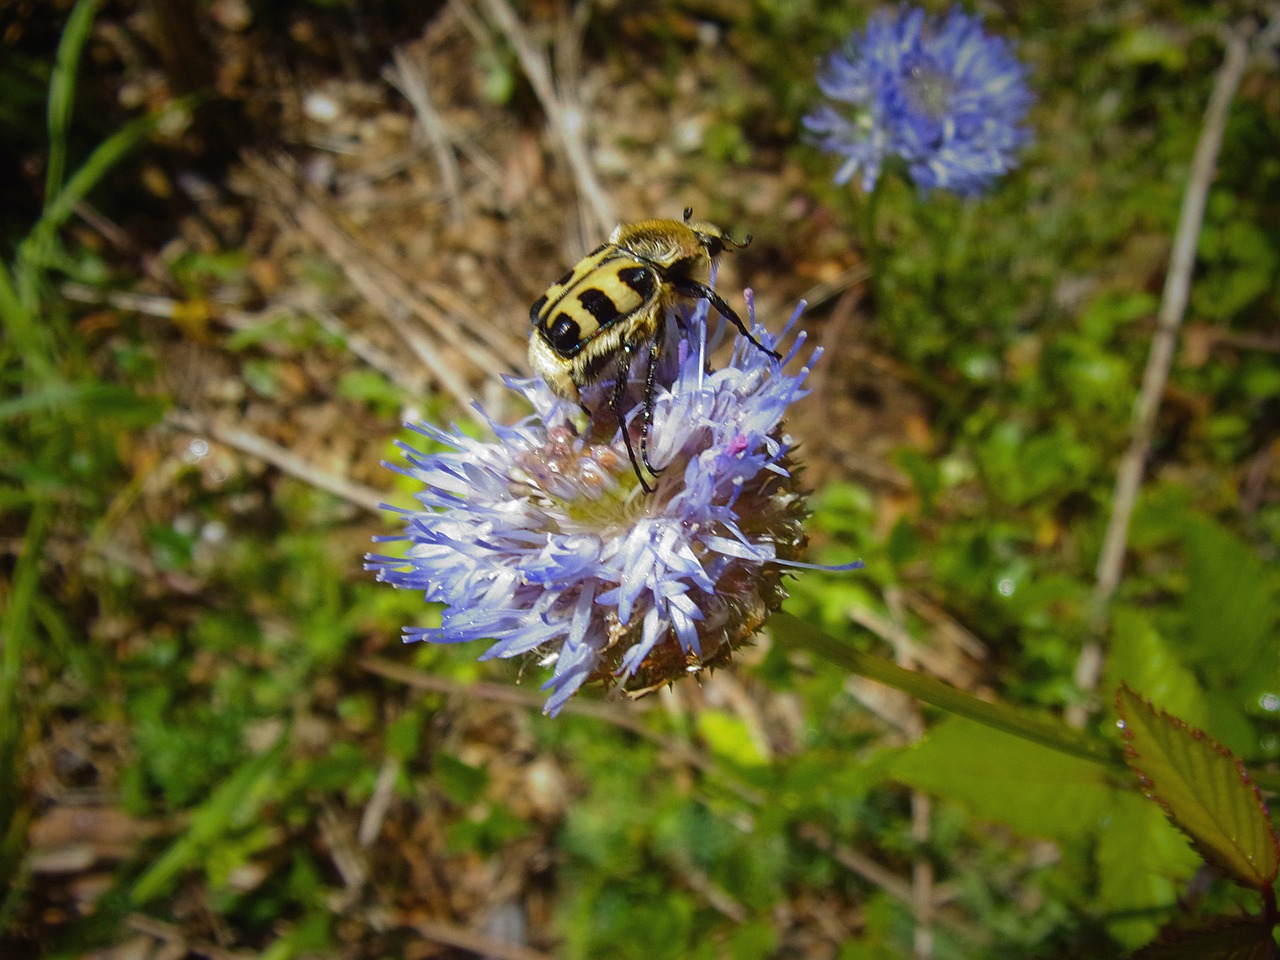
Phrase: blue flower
[542,541]
[938,93]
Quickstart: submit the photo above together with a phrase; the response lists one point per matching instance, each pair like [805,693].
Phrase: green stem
[1047,733]
[868,207]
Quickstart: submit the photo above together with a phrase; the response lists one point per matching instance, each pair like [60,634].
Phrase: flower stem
[1048,733]
[868,206]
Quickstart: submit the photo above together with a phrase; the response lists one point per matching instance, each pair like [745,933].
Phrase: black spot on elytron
[536,311]
[641,280]
[599,305]
[597,251]
[568,275]
[564,335]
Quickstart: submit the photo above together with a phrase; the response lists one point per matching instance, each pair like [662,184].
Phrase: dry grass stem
[565,116]
[1173,305]
[255,445]
[464,939]
[383,288]
[407,77]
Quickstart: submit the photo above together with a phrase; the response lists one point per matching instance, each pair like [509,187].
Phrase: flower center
[589,484]
[928,88]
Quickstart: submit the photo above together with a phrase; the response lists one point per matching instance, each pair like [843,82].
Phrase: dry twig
[173,937]
[411,79]
[481,946]
[255,445]
[375,811]
[1173,306]
[564,114]
[384,289]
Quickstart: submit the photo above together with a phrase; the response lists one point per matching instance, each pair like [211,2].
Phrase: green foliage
[224,679]
[1032,788]
[1204,789]
[232,807]
[1231,612]
[1143,865]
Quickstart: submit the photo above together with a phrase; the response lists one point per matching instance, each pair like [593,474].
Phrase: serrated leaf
[1236,941]
[1037,791]
[1143,861]
[1230,605]
[1140,658]
[1204,789]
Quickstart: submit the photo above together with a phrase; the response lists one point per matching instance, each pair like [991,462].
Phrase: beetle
[616,300]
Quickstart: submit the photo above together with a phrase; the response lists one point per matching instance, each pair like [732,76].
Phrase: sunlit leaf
[729,738]
[1149,44]
[1203,788]
[1140,658]
[1230,603]
[1035,790]
[1143,862]
[235,801]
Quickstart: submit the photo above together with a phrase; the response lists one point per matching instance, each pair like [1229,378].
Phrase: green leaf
[1236,941]
[729,738]
[1204,789]
[1231,613]
[1147,44]
[371,387]
[1142,863]
[101,400]
[1035,790]
[62,87]
[460,782]
[404,736]
[236,801]
[753,940]
[1140,658]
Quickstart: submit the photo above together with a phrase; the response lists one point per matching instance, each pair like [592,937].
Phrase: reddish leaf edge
[1226,934]
[1132,758]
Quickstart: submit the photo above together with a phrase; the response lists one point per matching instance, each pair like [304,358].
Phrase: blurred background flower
[935,92]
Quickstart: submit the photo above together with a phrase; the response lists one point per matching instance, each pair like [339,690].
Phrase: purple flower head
[935,92]
[542,541]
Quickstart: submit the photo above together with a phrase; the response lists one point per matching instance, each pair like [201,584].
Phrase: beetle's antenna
[694,288]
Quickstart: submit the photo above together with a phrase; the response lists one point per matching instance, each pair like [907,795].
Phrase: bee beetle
[616,300]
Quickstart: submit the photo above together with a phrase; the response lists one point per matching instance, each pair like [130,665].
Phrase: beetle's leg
[619,395]
[700,291]
[655,349]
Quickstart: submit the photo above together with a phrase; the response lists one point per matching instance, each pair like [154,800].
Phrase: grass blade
[15,626]
[242,789]
[34,252]
[62,90]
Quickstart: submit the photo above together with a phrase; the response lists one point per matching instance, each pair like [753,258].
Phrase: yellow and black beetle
[616,300]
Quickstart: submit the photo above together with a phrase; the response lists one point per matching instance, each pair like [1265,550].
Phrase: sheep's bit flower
[543,542]
[936,92]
